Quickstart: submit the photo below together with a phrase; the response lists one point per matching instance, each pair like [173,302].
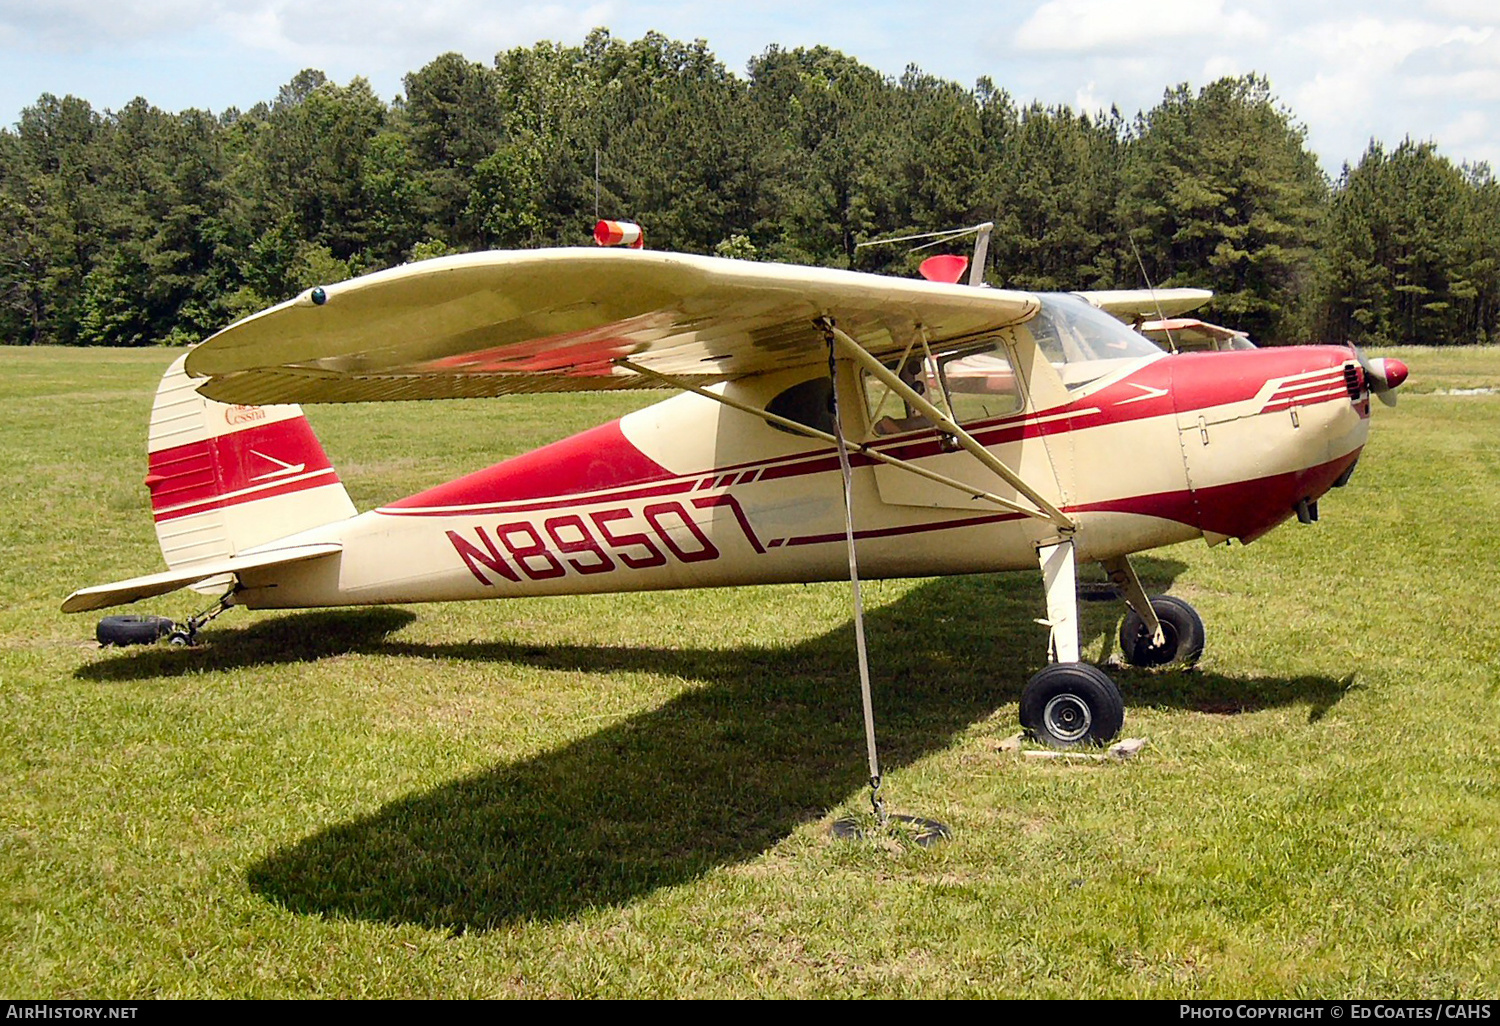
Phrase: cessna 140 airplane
[828,424]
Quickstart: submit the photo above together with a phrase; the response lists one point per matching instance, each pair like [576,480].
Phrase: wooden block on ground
[1120,750]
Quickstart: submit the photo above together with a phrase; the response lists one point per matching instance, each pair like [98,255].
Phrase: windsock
[619,233]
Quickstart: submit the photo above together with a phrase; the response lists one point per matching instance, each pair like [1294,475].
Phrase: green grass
[630,795]
[1446,368]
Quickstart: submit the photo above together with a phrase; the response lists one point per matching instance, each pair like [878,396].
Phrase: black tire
[132,630]
[1072,704]
[1181,625]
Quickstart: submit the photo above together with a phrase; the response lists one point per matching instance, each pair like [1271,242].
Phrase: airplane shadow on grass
[771,739]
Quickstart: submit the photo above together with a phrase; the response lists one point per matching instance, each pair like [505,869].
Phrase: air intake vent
[1354,380]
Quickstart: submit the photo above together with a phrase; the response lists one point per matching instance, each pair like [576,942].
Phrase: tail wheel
[1072,704]
[132,630]
[1182,630]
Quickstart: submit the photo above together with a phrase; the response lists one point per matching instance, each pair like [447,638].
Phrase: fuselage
[1148,451]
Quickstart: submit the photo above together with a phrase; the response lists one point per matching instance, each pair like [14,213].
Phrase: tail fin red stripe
[250,463]
[228,479]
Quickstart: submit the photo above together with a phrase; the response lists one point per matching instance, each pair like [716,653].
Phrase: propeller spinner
[1383,374]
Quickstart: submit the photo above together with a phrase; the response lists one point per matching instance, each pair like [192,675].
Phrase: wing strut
[811,432]
[945,424]
[926,831]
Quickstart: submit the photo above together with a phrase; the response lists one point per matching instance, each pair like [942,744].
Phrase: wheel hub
[1068,718]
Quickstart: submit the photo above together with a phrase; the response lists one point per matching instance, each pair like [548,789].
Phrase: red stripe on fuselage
[1202,381]
[598,459]
[1244,509]
[602,463]
[1241,509]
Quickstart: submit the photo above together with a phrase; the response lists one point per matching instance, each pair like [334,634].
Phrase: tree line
[138,226]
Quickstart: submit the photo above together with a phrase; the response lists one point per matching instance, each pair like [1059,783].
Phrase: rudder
[225,479]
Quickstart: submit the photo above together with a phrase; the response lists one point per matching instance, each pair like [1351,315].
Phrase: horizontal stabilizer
[102,596]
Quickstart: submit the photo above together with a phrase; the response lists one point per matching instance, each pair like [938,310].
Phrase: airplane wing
[101,596]
[1191,333]
[487,324]
[1132,304]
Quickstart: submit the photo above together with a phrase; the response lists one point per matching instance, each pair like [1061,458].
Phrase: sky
[1349,70]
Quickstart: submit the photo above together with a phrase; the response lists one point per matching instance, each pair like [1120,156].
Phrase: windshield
[1083,342]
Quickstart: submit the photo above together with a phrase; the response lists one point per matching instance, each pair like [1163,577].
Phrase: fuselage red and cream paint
[692,493]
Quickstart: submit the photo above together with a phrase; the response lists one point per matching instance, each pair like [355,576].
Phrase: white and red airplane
[824,416]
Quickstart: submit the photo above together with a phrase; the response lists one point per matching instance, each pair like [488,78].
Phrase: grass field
[630,795]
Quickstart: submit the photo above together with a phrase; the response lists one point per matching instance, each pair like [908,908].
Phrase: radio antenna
[981,245]
[938,238]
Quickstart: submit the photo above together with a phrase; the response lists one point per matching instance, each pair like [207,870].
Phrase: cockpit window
[977,383]
[981,385]
[889,413]
[808,402]
[1083,342]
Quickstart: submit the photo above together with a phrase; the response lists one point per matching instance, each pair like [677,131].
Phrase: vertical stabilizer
[225,479]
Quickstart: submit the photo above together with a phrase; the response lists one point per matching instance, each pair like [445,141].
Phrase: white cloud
[1223,66]
[381,32]
[1390,77]
[1480,11]
[72,25]
[1471,126]
[1334,98]
[307,30]
[1475,85]
[1081,26]
[1368,44]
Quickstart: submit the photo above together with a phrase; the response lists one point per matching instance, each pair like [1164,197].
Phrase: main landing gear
[1072,703]
[1181,635]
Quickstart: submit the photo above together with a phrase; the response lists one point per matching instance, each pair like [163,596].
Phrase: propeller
[1383,375]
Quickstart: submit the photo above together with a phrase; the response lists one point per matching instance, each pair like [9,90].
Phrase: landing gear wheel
[132,630]
[1180,624]
[1072,704]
